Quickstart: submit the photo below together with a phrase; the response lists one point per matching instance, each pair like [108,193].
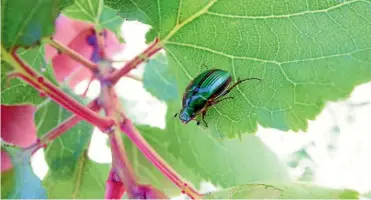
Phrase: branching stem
[36,80]
[60,129]
[72,53]
[150,51]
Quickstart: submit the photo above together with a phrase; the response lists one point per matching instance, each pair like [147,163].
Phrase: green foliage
[225,163]
[96,12]
[282,191]
[302,51]
[24,23]
[71,173]
[16,91]
[87,181]
[157,79]
[20,182]
[35,57]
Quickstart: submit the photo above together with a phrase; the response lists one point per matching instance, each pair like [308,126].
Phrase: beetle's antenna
[203,65]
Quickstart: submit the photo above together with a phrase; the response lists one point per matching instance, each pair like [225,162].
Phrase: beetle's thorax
[186,114]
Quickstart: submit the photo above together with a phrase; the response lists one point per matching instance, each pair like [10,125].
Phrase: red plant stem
[114,187]
[60,129]
[43,85]
[156,159]
[150,51]
[73,54]
[121,164]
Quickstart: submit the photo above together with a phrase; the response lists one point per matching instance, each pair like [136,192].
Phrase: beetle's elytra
[205,90]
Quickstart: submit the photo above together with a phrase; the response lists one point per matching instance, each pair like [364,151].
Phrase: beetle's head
[186,115]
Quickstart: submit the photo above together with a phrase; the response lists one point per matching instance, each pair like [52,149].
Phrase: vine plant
[192,33]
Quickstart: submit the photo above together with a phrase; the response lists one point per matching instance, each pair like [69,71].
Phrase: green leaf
[71,174]
[16,91]
[87,181]
[35,57]
[94,11]
[225,163]
[24,23]
[20,182]
[158,81]
[303,51]
[147,172]
[282,191]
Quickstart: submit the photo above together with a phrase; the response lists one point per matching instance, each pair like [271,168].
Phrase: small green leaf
[16,91]
[282,191]
[87,181]
[24,23]
[94,11]
[71,174]
[158,81]
[24,183]
[35,57]
[303,51]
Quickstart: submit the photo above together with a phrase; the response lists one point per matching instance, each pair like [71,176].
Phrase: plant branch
[60,129]
[130,130]
[70,52]
[120,161]
[150,51]
[36,80]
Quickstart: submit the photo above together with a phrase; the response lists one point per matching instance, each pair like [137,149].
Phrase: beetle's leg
[238,82]
[203,117]
[219,100]
[175,114]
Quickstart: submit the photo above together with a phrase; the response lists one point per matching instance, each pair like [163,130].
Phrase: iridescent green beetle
[205,90]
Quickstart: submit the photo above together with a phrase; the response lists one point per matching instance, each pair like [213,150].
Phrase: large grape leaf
[16,91]
[71,173]
[24,23]
[225,163]
[306,52]
[20,182]
[282,191]
[96,12]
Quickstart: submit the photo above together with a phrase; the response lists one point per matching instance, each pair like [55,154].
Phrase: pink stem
[150,51]
[44,86]
[156,159]
[60,129]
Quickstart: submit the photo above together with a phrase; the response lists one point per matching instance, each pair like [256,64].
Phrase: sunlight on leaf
[20,181]
[158,81]
[302,51]
[282,191]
